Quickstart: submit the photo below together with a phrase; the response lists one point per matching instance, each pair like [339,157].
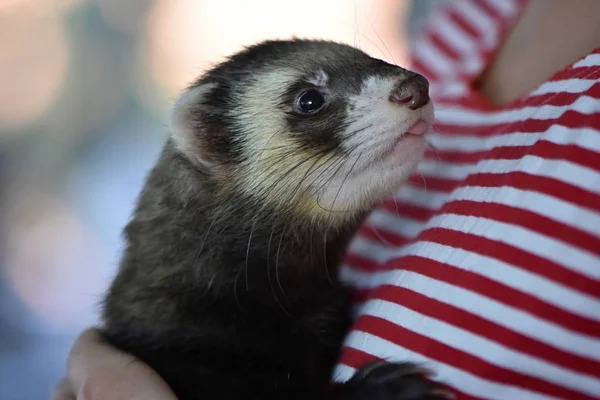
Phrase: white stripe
[573,85]
[524,239]
[546,247]
[562,253]
[455,37]
[445,170]
[484,307]
[481,21]
[566,171]
[576,175]
[506,8]
[490,351]
[460,379]
[524,281]
[433,58]
[538,203]
[381,218]
[591,60]
[465,117]
[473,143]
[343,372]
[472,65]
[587,138]
[448,90]
[422,197]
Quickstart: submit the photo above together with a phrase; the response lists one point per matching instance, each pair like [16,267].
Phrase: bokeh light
[85,88]
[34,57]
[187,37]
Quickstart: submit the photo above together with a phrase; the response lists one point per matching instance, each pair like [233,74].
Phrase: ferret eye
[310,101]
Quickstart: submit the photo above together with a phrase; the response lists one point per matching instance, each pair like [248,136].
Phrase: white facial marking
[381,153]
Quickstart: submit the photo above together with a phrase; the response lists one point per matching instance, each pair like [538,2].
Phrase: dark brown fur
[227,298]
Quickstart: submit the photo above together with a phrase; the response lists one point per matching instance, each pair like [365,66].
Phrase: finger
[100,372]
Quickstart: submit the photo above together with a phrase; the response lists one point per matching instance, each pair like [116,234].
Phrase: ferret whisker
[277,262]
[318,200]
[344,180]
[389,53]
[273,291]
[351,134]
[199,252]
[235,293]
[393,197]
[325,257]
[271,138]
[423,178]
[310,240]
[433,148]
[306,174]
[298,165]
[248,253]
[331,156]
[339,162]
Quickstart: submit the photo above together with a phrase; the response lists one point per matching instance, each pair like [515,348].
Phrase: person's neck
[549,36]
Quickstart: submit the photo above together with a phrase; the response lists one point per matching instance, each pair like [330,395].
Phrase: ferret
[227,285]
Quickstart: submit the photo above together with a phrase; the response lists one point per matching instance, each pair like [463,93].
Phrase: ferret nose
[412,91]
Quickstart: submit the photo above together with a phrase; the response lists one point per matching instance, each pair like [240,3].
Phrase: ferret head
[315,128]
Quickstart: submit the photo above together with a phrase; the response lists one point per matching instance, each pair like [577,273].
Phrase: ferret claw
[382,380]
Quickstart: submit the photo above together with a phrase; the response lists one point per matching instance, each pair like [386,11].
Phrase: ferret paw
[393,381]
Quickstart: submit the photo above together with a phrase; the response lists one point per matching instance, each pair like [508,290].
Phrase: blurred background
[85,86]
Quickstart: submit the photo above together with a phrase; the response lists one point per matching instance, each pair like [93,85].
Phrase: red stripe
[487,329]
[459,359]
[440,44]
[569,119]
[554,99]
[526,219]
[382,236]
[490,11]
[506,214]
[568,152]
[506,253]
[409,210]
[542,148]
[460,157]
[484,286]
[589,72]
[515,257]
[550,186]
[356,358]
[456,16]
[560,99]
[520,180]
[438,184]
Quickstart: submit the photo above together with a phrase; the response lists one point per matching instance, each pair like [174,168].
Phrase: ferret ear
[191,135]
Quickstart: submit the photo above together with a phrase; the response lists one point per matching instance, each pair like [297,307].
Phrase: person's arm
[97,371]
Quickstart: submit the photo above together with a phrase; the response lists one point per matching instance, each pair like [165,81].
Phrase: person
[97,371]
[486,265]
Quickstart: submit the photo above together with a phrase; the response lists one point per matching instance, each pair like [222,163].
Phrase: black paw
[392,381]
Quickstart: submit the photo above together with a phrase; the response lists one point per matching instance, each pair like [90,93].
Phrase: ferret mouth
[415,132]
[410,138]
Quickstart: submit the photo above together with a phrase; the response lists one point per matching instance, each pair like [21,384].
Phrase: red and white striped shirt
[486,265]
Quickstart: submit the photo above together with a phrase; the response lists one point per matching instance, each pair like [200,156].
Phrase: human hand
[97,371]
